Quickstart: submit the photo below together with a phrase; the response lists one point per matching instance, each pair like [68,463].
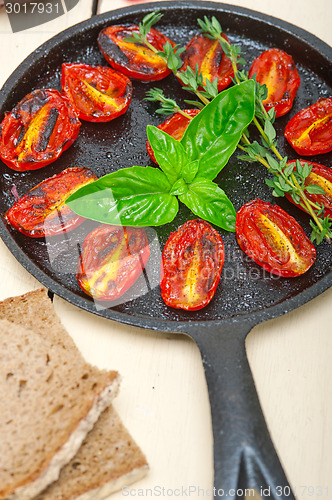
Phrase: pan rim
[161,324]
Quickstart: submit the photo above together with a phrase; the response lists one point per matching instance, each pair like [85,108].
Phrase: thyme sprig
[167,105]
[144,28]
[285,179]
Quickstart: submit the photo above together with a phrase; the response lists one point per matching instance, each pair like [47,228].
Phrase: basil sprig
[147,196]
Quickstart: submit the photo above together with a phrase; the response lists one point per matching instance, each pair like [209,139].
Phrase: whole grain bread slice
[108,460]
[51,398]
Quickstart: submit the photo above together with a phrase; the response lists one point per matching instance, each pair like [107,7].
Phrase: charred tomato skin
[38,130]
[42,211]
[276,69]
[210,58]
[309,132]
[130,58]
[321,176]
[192,261]
[98,93]
[175,126]
[112,259]
[273,239]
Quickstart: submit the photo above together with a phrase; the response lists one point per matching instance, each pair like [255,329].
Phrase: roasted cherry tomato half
[309,132]
[98,93]
[42,211]
[133,59]
[175,126]
[276,69]
[273,239]
[37,131]
[192,261]
[321,176]
[210,58]
[112,259]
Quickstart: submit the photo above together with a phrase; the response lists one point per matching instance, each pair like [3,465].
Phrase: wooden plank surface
[163,398]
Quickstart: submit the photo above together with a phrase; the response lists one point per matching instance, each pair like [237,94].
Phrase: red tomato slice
[37,131]
[175,126]
[309,132]
[42,211]
[276,69]
[273,239]
[321,176]
[112,259]
[133,59]
[98,93]
[192,261]
[210,58]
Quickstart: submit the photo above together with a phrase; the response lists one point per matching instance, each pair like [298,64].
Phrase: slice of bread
[108,460]
[51,397]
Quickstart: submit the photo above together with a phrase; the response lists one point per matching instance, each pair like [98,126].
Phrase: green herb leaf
[306,170]
[270,183]
[205,199]
[135,196]
[148,21]
[197,104]
[317,234]
[189,171]
[288,170]
[213,135]
[168,106]
[179,187]
[274,165]
[172,56]
[169,153]
[296,198]
[212,28]
[299,168]
[270,131]
[135,38]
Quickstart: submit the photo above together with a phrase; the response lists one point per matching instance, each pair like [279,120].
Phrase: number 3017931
[32,8]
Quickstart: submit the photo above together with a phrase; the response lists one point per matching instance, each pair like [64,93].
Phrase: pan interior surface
[245,288]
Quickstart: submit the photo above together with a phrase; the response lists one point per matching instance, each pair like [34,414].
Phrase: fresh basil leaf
[213,134]
[189,171]
[135,196]
[179,187]
[207,200]
[169,153]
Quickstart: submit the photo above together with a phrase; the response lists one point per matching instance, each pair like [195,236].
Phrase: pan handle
[244,455]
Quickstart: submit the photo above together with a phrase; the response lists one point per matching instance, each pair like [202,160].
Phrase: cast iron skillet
[243,451]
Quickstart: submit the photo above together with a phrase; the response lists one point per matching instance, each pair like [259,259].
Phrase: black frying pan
[243,451]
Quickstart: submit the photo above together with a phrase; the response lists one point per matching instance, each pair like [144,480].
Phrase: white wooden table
[163,399]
